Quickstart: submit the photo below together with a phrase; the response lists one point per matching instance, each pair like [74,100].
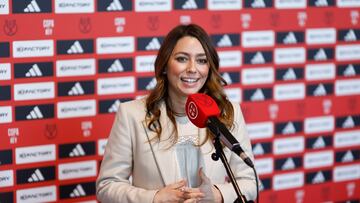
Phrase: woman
[168,158]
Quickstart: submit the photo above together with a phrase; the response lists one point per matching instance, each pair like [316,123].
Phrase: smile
[190,80]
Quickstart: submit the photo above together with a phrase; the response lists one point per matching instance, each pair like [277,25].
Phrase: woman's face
[187,68]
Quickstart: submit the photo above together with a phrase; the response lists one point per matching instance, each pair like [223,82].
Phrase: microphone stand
[219,153]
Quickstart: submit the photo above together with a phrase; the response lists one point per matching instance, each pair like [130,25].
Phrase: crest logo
[10,27]
[216,21]
[85,25]
[50,131]
[153,23]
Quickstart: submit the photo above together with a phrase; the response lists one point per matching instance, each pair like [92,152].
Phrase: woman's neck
[177,104]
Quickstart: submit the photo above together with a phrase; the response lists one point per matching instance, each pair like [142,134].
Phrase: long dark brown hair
[212,87]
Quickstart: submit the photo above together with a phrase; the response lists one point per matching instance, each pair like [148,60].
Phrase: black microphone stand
[219,153]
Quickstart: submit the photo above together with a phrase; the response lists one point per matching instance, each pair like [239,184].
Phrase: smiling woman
[153,142]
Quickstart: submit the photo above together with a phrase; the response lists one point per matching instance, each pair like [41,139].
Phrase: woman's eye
[202,61]
[181,59]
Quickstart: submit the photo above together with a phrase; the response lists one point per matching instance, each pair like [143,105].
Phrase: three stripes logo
[287,128]
[318,177]
[115,65]
[258,3]
[76,88]
[259,57]
[226,40]
[291,73]
[85,46]
[149,43]
[43,111]
[114,5]
[32,175]
[319,89]
[321,54]
[111,106]
[77,190]
[146,83]
[348,70]
[76,150]
[351,35]
[29,70]
[290,37]
[189,4]
[258,94]
[32,6]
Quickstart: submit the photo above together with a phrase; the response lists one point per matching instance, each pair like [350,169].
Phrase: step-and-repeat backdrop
[65,65]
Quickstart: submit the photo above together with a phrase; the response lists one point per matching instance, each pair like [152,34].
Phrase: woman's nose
[191,67]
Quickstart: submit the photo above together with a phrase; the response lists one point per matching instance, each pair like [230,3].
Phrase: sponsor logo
[226,40]
[35,154]
[289,91]
[29,70]
[258,3]
[259,57]
[5,71]
[265,184]
[76,88]
[321,89]
[347,156]
[321,36]
[146,83]
[318,177]
[347,87]
[346,173]
[348,122]
[39,194]
[5,157]
[289,55]
[149,43]
[234,94]
[291,73]
[6,178]
[288,4]
[264,166]
[115,45]
[263,75]
[111,105]
[224,4]
[85,46]
[75,67]
[318,159]
[32,6]
[260,130]
[31,91]
[319,124]
[115,65]
[320,71]
[321,54]
[287,128]
[77,170]
[189,4]
[321,3]
[262,148]
[347,52]
[101,146]
[230,59]
[41,111]
[348,70]
[258,94]
[118,85]
[4,9]
[32,175]
[318,142]
[289,38]
[350,35]
[76,150]
[75,6]
[4,49]
[77,190]
[151,6]
[73,109]
[348,3]
[33,48]
[347,138]
[289,145]
[145,63]
[5,93]
[289,163]
[114,5]
[288,180]
[7,196]
[231,77]
[5,114]
[258,39]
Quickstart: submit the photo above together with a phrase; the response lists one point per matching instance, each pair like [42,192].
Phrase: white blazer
[153,165]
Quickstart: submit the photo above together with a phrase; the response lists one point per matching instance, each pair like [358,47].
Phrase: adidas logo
[321,3]
[151,84]
[290,38]
[116,67]
[190,4]
[349,71]
[289,164]
[75,48]
[319,143]
[227,78]
[225,41]
[320,90]
[290,75]
[258,58]
[76,90]
[36,176]
[350,36]
[78,192]
[258,95]
[348,157]
[77,151]
[258,4]
[258,149]
[318,178]
[289,129]
[33,7]
[34,71]
[320,55]
[115,6]
[154,44]
[35,114]
[114,107]
[348,123]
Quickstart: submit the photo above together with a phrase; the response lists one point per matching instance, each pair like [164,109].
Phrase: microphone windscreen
[199,107]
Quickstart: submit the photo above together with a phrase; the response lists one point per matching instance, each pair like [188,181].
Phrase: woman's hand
[171,193]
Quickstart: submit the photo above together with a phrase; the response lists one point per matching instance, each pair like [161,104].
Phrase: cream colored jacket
[153,166]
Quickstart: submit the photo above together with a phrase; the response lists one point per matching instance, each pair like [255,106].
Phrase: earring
[164,72]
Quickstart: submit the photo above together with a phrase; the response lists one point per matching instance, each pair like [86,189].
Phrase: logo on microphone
[192,110]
